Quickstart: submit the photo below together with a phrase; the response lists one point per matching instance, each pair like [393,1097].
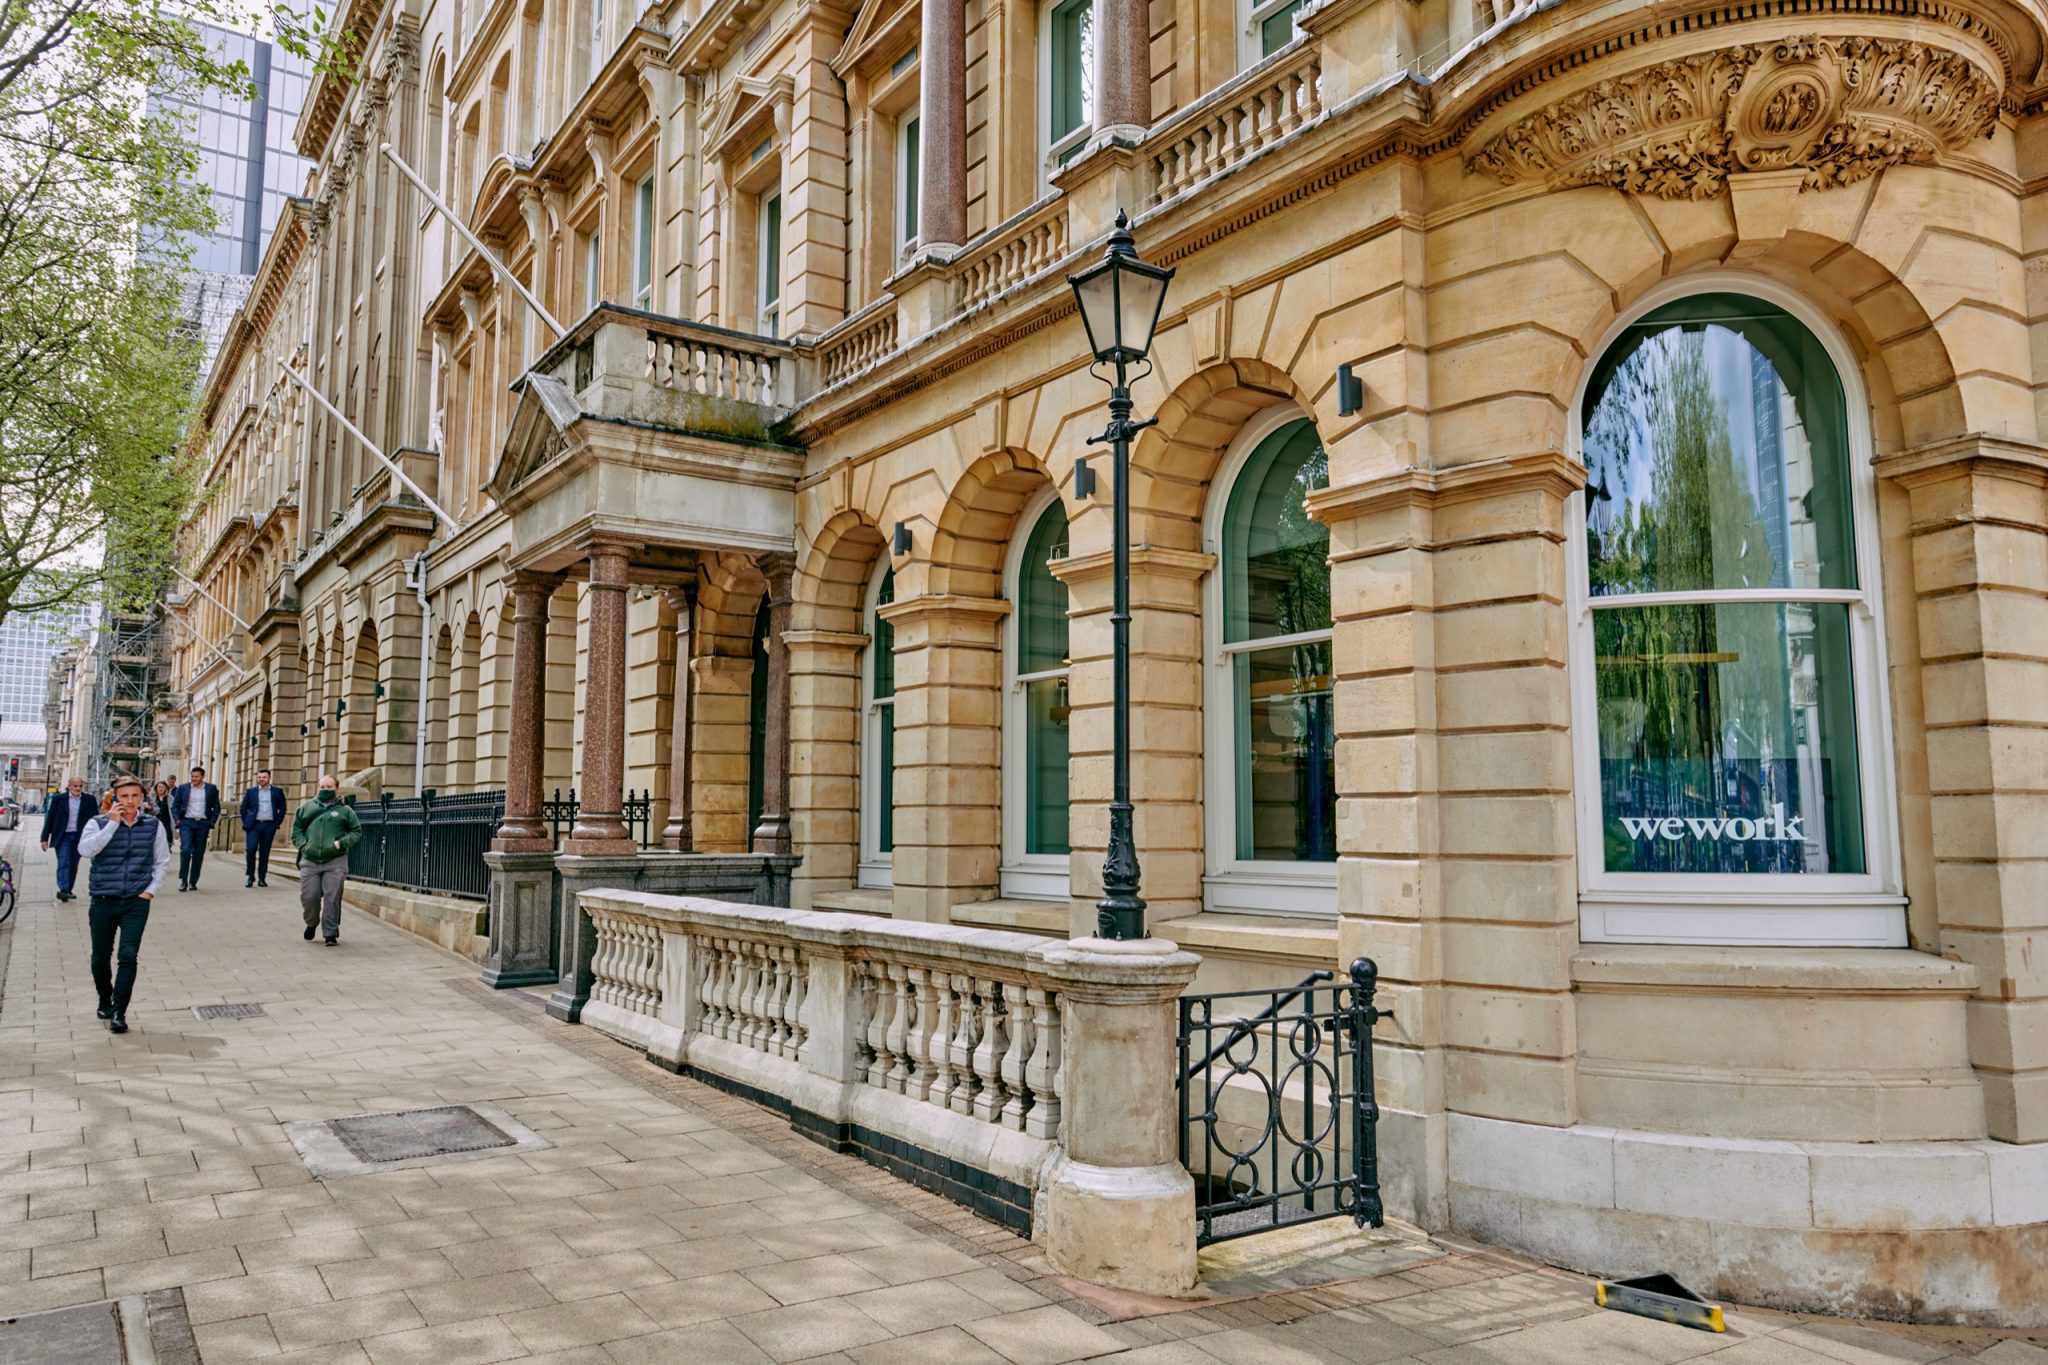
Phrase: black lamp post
[1120,298]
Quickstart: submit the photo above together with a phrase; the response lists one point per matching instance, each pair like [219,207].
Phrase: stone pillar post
[942,126]
[1979,526]
[523,830]
[772,834]
[824,725]
[600,786]
[1123,67]
[948,823]
[1121,1209]
[676,835]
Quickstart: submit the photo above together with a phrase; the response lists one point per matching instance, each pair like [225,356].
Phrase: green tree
[97,369]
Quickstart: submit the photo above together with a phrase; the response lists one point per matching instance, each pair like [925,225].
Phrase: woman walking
[160,807]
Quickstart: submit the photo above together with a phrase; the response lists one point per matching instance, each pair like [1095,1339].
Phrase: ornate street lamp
[1120,298]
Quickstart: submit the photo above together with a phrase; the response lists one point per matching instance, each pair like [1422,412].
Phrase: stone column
[1123,67]
[1979,527]
[523,830]
[942,126]
[772,834]
[1120,1211]
[600,786]
[824,790]
[676,835]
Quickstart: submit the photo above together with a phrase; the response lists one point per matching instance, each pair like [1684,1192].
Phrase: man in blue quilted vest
[130,859]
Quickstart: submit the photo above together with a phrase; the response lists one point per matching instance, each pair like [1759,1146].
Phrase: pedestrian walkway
[665,1221]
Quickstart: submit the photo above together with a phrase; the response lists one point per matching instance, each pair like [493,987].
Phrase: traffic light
[13,768]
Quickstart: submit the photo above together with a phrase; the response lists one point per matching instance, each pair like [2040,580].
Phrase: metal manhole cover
[228,1011]
[416,1133]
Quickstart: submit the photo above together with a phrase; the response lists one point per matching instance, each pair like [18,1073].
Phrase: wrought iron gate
[1277,1114]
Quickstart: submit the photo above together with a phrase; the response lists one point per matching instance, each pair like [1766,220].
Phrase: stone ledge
[1312,942]
[1678,969]
[443,920]
[1030,917]
[879,903]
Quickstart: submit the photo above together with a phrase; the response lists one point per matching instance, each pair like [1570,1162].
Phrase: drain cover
[416,1133]
[228,1011]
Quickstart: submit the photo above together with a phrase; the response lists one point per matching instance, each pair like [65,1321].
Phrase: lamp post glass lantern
[1120,298]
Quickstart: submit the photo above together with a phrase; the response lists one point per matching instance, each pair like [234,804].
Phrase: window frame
[1233,885]
[593,267]
[874,866]
[909,167]
[643,241]
[1251,48]
[1023,875]
[1865,909]
[768,261]
[1056,152]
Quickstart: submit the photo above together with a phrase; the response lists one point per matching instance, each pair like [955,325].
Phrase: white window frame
[593,268]
[769,271]
[1783,909]
[644,264]
[1230,883]
[1250,49]
[1050,158]
[908,168]
[1025,876]
[875,868]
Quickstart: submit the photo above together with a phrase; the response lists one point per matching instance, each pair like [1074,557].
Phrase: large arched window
[1272,778]
[878,737]
[1728,711]
[1035,849]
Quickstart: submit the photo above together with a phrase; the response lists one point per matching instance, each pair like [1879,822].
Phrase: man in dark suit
[63,820]
[262,813]
[195,805]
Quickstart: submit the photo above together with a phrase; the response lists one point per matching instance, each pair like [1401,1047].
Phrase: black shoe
[118,1024]
[261,882]
[309,932]
[106,1011]
[181,886]
[248,882]
[334,943]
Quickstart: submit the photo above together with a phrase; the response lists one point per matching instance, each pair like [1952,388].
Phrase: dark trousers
[65,846]
[126,915]
[191,850]
[256,846]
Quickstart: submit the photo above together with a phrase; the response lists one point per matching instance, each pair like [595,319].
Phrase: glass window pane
[913,165]
[1276,30]
[771,250]
[1276,558]
[646,242]
[1286,754]
[885,777]
[1717,455]
[1073,66]
[1041,598]
[1727,738]
[757,725]
[883,636]
[1045,766]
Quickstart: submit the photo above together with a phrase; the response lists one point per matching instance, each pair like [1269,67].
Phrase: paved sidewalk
[667,1222]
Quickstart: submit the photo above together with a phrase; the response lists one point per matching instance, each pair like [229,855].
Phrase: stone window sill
[878,903]
[1023,916]
[1681,969]
[1271,938]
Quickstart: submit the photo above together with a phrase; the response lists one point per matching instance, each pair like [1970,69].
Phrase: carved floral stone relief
[1839,109]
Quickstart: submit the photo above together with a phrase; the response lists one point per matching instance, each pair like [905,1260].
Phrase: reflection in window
[878,747]
[1276,635]
[1042,678]
[1717,464]
[1070,77]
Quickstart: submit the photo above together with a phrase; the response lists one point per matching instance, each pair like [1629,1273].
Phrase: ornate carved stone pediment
[1840,109]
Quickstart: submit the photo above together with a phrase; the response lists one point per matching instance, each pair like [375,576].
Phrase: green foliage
[97,370]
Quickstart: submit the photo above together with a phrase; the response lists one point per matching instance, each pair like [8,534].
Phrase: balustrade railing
[700,362]
[1016,257]
[1236,123]
[864,341]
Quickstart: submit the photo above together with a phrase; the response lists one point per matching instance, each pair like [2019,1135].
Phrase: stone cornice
[956,606]
[2022,461]
[1838,109]
[1549,471]
[1156,560]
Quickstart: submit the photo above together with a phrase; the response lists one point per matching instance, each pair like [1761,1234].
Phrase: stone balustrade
[1266,104]
[1037,241]
[697,362]
[859,343]
[1032,1080]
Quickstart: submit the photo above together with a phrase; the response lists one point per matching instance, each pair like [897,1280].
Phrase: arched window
[1035,848]
[757,726]
[1727,708]
[878,737]
[1272,787]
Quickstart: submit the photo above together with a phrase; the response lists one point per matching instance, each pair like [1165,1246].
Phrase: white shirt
[263,804]
[77,809]
[195,802]
[101,831]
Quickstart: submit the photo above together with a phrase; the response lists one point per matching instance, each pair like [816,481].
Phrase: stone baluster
[881,1023]
[1017,1057]
[988,1052]
[1044,1118]
[919,1086]
[960,1047]
[940,1041]
[901,1064]
[793,1011]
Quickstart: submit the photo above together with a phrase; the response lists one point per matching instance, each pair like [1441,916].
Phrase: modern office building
[249,165]
[28,641]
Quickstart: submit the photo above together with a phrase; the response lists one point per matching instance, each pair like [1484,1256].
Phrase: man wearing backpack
[323,832]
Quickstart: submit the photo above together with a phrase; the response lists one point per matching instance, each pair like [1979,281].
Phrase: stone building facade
[1592,555]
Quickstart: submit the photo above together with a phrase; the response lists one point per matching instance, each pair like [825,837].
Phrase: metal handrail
[1244,1028]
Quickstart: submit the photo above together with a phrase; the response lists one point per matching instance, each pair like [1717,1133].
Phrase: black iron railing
[429,843]
[1277,1116]
[560,811]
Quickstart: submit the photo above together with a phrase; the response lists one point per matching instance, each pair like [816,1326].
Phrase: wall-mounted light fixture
[320,721]
[379,690]
[340,707]
[900,542]
[1084,480]
[1350,391]
[302,732]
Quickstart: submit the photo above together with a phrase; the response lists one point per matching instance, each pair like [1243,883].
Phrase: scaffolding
[133,671]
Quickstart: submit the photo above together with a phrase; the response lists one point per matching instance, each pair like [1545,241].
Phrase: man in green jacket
[323,832]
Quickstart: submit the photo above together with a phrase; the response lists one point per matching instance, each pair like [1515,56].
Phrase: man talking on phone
[130,859]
